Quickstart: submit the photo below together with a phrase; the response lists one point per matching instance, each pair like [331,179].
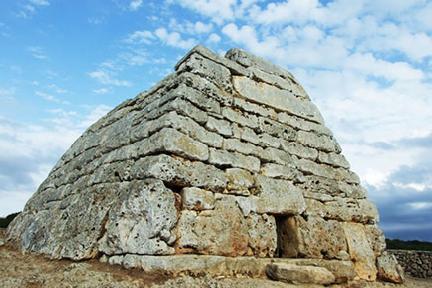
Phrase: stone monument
[225,167]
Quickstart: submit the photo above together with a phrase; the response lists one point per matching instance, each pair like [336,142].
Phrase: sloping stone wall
[415,263]
[217,159]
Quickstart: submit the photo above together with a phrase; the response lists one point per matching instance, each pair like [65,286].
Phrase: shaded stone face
[227,156]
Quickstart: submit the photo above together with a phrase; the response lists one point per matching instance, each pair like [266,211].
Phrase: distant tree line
[4,222]
[408,245]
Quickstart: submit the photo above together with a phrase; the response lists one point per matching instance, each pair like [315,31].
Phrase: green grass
[4,222]
[408,245]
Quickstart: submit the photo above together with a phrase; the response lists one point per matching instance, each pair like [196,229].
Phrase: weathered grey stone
[183,108]
[343,209]
[300,274]
[129,229]
[237,117]
[334,159]
[326,171]
[242,147]
[278,156]
[287,172]
[274,97]
[320,142]
[220,126]
[388,269]
[218,74]
[360,251]
[225,231]
[224,158]
[313,237]
[173,141]
[278,197]
[376,239]
[232,66]
[248,60]
[177,172]
[254,108]
[239,181]
[301,124]
[197,199]
[300,150]
[276,129]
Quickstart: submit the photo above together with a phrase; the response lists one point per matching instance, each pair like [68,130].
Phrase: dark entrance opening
[286,240]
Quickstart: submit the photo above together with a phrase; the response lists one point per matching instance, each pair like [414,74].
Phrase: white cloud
[214,38]
[106,78]
[32,150]
[101,91]
[37,52]
[174,39]
[50,98]
[39,2]
[218,10]
[135,5]
[143,36]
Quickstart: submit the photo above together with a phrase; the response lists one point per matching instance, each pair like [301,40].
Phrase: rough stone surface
[415,263]
[227,156]
[300,274]
[389,269]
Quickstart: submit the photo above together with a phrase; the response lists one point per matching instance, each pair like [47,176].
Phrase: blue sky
[366,64]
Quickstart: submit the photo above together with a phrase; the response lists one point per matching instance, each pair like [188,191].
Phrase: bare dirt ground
[35,271]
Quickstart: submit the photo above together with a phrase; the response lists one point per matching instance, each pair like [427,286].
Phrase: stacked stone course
[228,157]
[415,263]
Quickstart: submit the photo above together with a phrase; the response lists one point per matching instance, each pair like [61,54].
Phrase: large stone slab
[140,222]
[360,251]
[282,100]
[297,274]
[276,196]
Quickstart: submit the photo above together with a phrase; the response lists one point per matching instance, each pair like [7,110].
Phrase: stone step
[318,270]
[300,274]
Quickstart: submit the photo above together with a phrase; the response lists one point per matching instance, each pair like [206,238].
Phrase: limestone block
[376,239]
[198,98]
[278,156]
[389,270]
[267,140]
[326,171]
[222,231]
[243,119]
[276,129]
[360,251]
[287,172]
[220,126]
[182,107]
[313,237]
[344,209]
[262,234]
[297,274]
[278,196]
[302,124]
[197,199]
[235,68]
[299,150]
[320,142]
[239,181]
[218,74]
[333,159]
[248,60]
[276,98]
[170,140]
[246,134]
[141,221]
[254,108]
[232,144]
[177,172]
[225,158]
[193,130]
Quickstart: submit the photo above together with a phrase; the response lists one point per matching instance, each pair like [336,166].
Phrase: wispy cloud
[32,150]
[29,8]
[135,4]
[50,97]
[106,78]
[37,52]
